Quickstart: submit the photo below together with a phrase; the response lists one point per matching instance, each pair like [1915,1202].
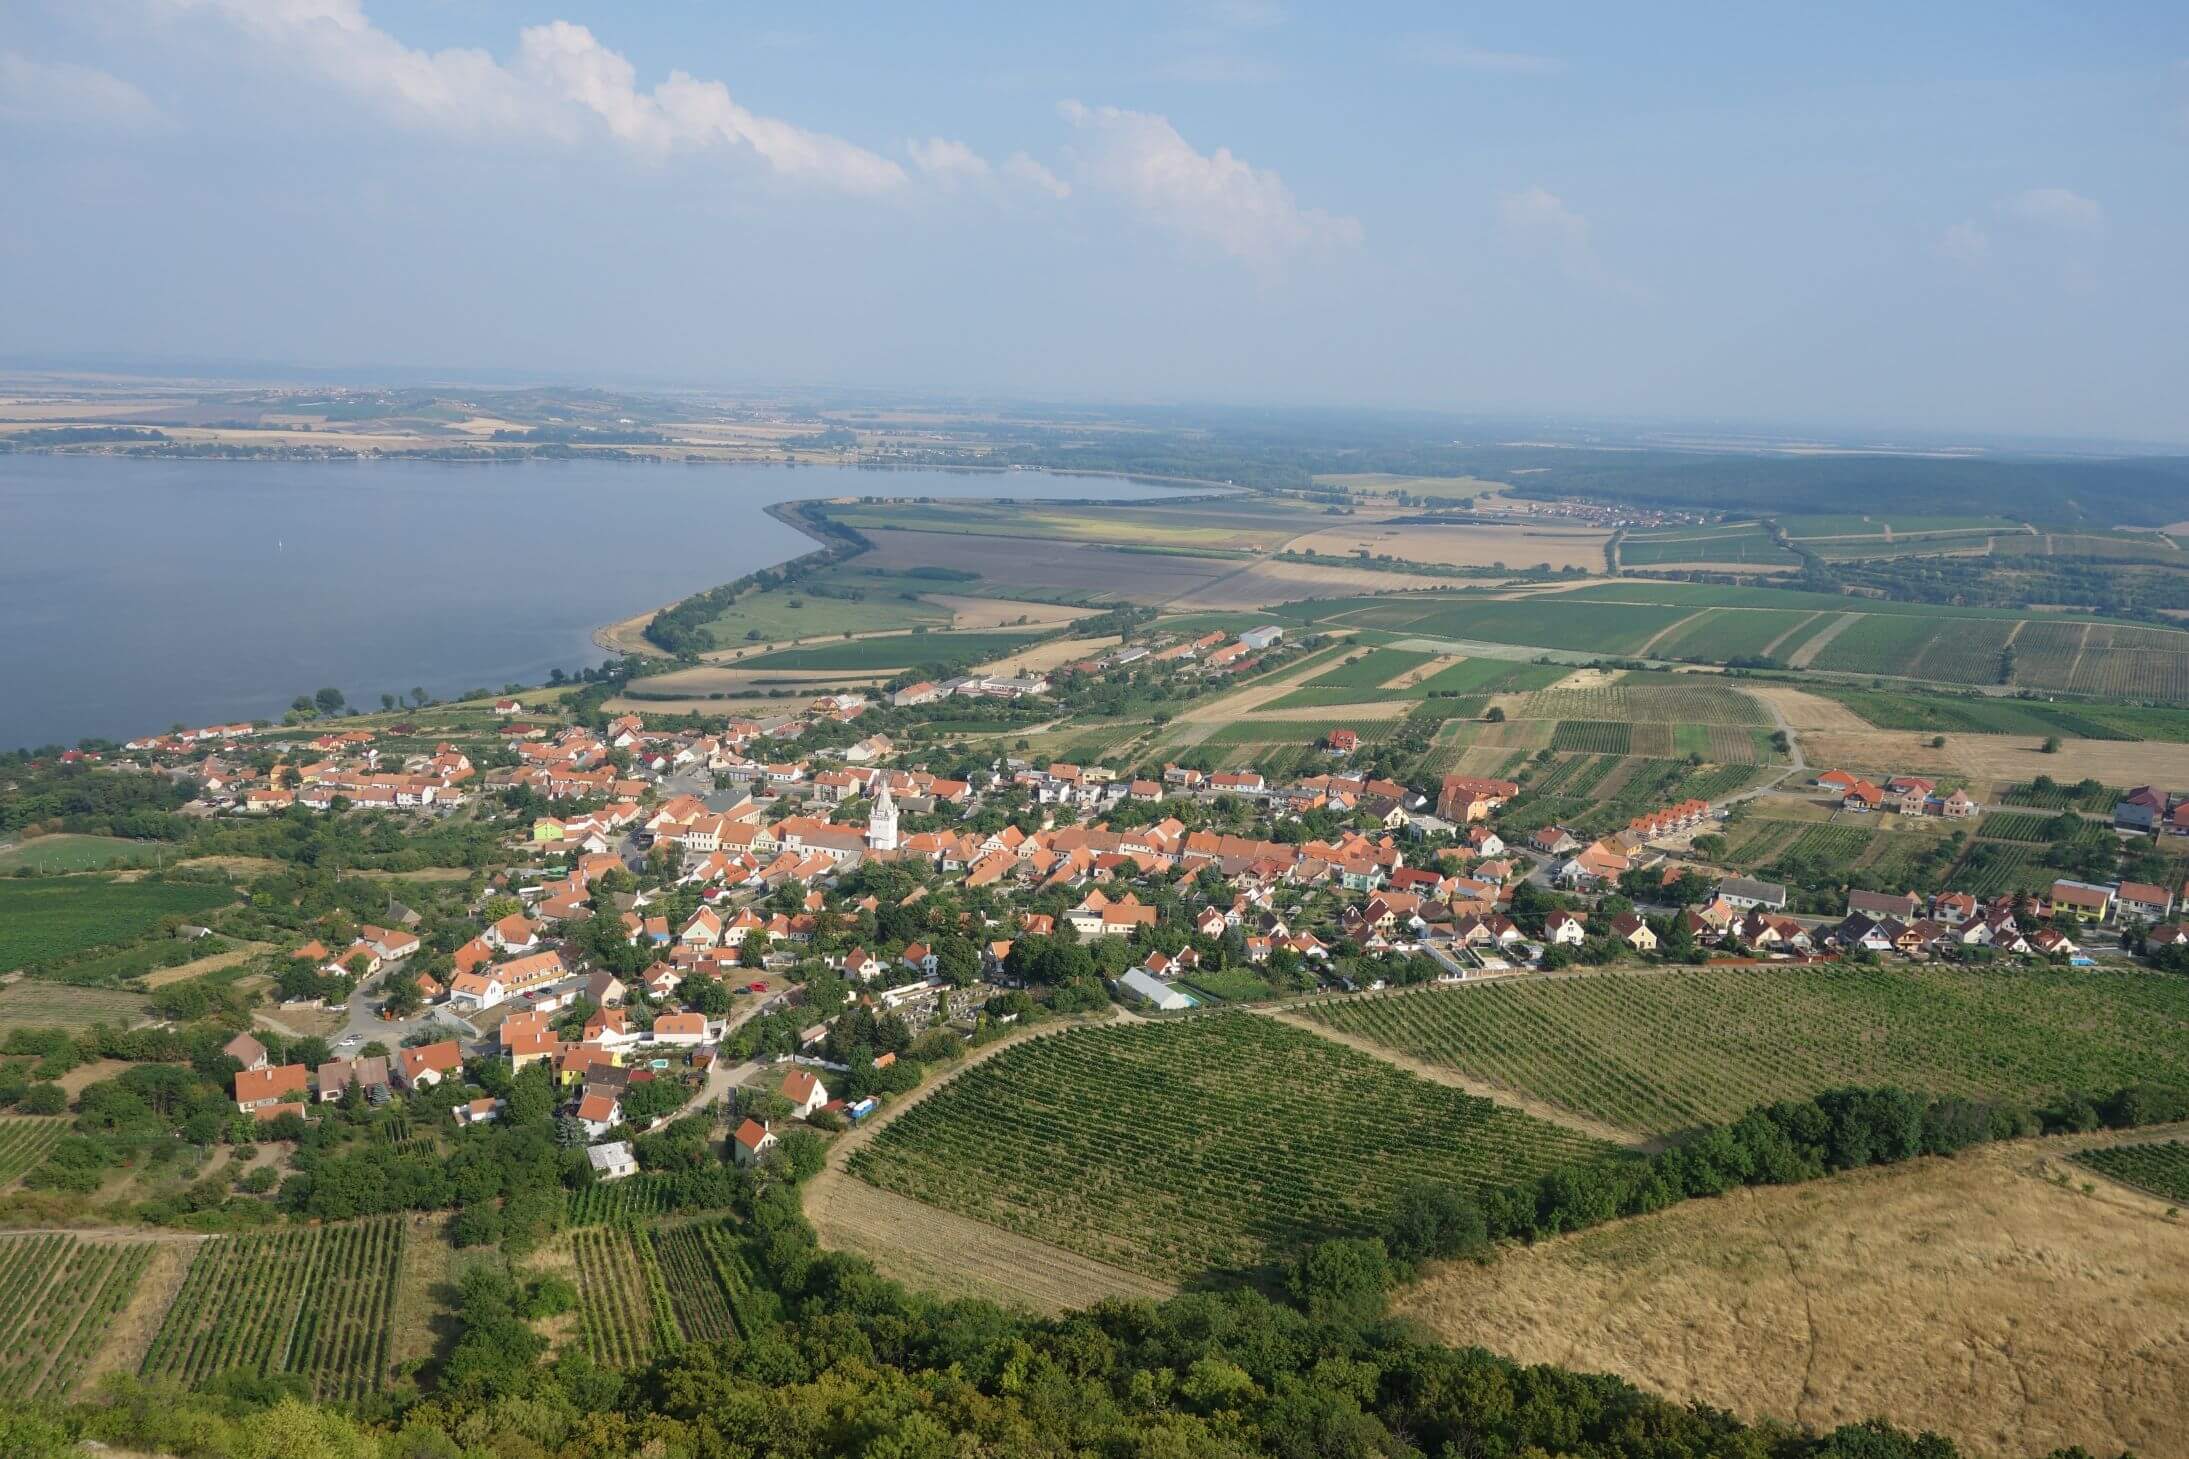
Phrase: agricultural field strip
[2161,1169]
[1666,1051]
[1213,1143]
[24,1141]
[58,1297]
[317,1302]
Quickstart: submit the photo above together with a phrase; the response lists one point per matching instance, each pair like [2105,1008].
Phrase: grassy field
[58,1297]
[895,651]
[318,1303]
[1209,526]
[781,613]
[2162,1169]
[35,1004]
[42,919]
[1838,1301]
[1665,1051]
[80,853]
[1223,1142]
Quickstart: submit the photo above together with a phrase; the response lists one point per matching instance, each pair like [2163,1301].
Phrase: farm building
[612,1161]
[1161,994]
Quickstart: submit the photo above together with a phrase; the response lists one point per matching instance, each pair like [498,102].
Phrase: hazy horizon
[1959,222]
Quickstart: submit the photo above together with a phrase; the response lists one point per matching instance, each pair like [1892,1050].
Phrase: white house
[612,1161]
[804,1090]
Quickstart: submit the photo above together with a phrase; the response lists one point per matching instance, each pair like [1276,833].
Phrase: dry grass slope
[1971,1297]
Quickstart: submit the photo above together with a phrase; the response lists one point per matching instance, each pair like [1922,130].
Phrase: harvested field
[1050,655]
[1004,612]
[198,968]
[1971,1297]
[1263,583]
[1806,711]
[33,1004]
[937,1251]
[2003,759]
[1042,567]
[1468,544]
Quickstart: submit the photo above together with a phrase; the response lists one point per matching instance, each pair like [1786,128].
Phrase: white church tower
[881,825]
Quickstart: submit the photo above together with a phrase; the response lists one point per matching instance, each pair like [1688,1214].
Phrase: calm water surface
[134,594]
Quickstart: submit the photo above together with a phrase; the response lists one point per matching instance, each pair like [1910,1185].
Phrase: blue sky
[1965,219]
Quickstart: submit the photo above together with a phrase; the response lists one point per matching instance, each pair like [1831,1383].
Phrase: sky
[1939,218]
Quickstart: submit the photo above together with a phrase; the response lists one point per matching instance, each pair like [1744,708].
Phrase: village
[726,882]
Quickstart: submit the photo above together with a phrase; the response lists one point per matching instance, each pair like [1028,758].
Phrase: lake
[138,593]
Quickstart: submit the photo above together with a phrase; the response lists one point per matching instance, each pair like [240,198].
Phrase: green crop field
[1220,1142]
[896,651]
[1949,714]
[799,612]
[24,1141]
[80,853]
[2163,1170]
[319,1303]
[58,1297]
[45,918]
[1370,728]
[1376,667]
[1752,546]
[1468,679]
[1717,634]
[1667,1051]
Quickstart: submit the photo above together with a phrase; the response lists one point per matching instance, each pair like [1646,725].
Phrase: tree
[402,998]
[1342,1279]
[329,700]
[956,960]
[2051,746]
[388,702]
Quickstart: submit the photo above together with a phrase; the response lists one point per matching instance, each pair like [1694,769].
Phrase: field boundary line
[1671,628]
[1806,655]
[1450,1078]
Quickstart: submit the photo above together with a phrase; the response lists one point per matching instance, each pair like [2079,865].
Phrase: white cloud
[947,161]
[2056,207]
[561,75]
[1021,168]
[1456,54]
[61,91]
[1965,242]
[1538,222]
[1214,198]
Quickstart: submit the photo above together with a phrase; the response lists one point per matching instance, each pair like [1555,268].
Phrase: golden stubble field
[1972,1297]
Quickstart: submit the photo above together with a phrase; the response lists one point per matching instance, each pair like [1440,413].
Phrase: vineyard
[58,1297]
[1221,1142]
[2086,795]
[624,1304]
[1638,698]
[2163,1170]
[51,917]
[1828,845]
[643,1291]
[319,1303]
[2014,826]
[24,1141]
[1993,867]
[1377,667]
[1665,1051]
[1594,737]
[632,1198]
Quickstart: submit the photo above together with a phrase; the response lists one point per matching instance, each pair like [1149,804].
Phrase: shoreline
[632,628]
